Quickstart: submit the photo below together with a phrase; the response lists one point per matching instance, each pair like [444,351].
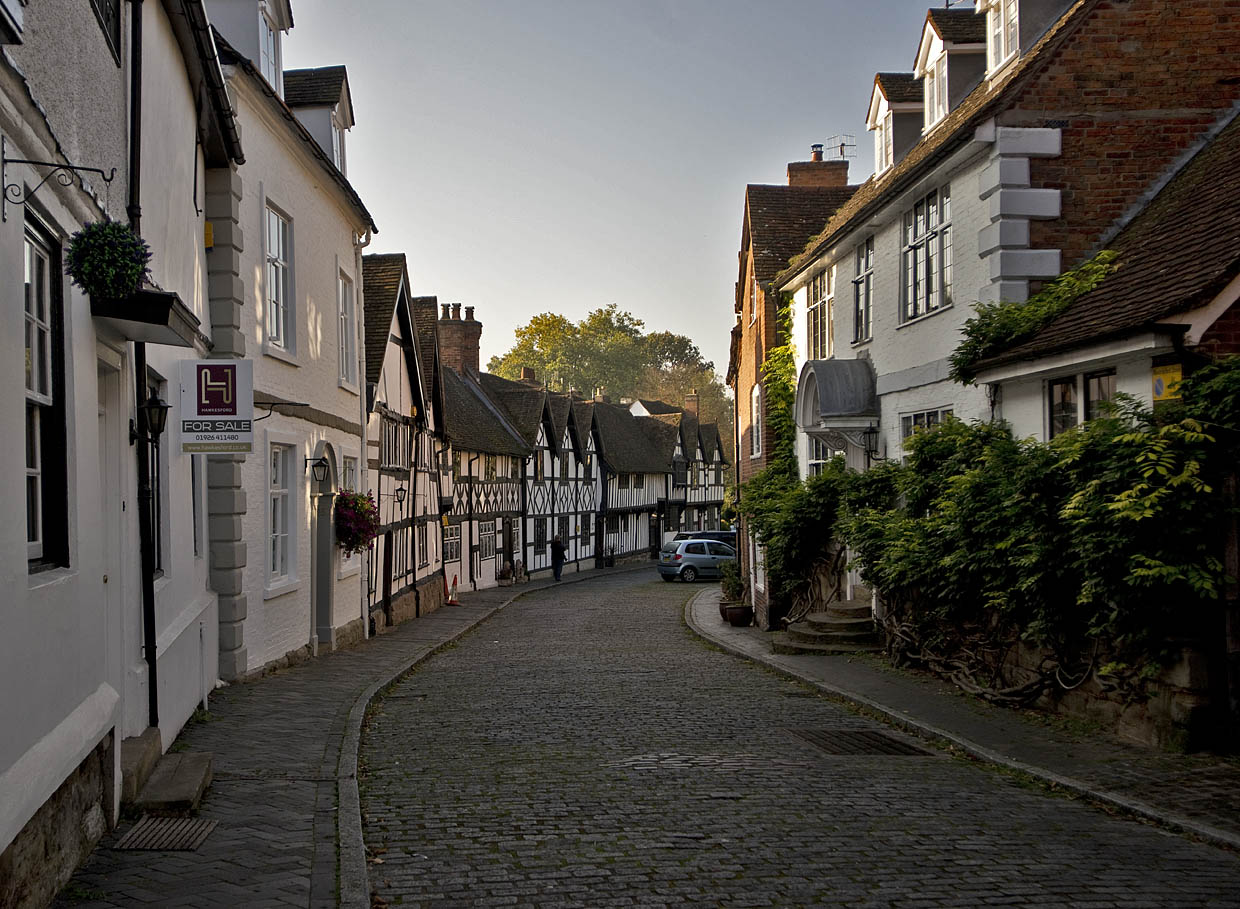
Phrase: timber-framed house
[406,448]
[482,538]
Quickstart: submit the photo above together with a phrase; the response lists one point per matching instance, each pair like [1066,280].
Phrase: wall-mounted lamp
[870,438]
[319,469]
[401,492]
[155,412]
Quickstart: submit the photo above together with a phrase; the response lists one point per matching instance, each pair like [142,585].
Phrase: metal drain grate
[857,742]
[172,834]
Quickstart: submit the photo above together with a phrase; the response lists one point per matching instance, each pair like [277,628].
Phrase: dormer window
[338,145]
[1002,21]
[936,91]
[269,62]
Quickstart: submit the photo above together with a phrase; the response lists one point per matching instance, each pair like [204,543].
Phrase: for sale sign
[217,405]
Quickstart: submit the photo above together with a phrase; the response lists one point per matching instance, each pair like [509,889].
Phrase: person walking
[557,557]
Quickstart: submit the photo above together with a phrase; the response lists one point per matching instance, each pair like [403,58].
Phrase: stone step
[177,784]
[804,635]
[781,643]
[827,622]
[139,755]
[849,609]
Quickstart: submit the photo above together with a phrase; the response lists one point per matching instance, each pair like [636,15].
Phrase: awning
[836,397]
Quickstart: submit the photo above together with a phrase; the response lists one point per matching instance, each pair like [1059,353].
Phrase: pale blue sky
[560,155]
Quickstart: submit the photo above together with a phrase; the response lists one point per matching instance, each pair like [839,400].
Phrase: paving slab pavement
[1198,794]
[285,786]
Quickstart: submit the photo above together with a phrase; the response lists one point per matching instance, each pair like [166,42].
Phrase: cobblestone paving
[581,748]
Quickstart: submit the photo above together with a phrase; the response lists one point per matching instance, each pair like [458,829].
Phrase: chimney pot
[445,311]
[815,152]
[456,311]
[469,314]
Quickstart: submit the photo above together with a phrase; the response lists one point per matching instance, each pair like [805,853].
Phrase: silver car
[693,559]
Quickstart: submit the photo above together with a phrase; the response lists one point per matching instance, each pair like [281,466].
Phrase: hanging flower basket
[357,521]
[107,260]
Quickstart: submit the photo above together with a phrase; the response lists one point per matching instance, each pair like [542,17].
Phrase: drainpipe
[360,242]
[146,532]
[473,584]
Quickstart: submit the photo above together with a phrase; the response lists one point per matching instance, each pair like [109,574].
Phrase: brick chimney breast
[527,372]
[459,341]
[691,402]
[817,172]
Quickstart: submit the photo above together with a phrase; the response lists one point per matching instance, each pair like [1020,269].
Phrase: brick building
[777,223]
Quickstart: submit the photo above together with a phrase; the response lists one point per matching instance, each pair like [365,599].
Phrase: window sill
[924,316]
[280,353]
[997,70]
[49,577]
[281,588]
[348,386]
[861,342]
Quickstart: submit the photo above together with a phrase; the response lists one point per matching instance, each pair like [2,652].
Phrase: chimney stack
[691,402]
[459,340]
[817,172]
[600,396]
[527,374]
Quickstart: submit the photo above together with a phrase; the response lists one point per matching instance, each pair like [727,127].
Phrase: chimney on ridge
[459,339]
[817,172]
[691,402]
[527,372]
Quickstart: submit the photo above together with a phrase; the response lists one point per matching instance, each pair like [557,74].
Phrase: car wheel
[689,574]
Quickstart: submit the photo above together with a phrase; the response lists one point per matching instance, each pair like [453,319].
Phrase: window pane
[1063,411]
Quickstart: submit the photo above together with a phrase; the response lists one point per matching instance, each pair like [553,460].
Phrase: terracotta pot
[739,615]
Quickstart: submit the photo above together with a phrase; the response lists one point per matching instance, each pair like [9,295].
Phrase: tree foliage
[610,349]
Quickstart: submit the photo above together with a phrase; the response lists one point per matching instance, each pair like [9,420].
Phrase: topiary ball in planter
[107,259]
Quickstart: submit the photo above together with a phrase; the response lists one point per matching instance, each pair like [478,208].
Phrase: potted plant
[107,260]
[357,521]
[731,588]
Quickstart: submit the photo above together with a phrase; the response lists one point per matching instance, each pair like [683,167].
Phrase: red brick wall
[1137,85]
[458,343]
[1223,337]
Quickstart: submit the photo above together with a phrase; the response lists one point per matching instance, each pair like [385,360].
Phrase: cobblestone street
[582,748]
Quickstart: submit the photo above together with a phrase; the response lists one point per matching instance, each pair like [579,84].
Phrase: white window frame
[279,330]
[820,315]
[279,512]
[452,543]
[291,446]
[884,155]
[38,382]
[346,324]
[755,421]
[922,419]
[486,540]
[338,154]
[424,545]
[270,54]
[935,88]
[1002,33]
[863,291]
[926,256]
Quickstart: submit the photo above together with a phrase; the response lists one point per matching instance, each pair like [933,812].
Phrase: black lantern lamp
[319,469]
[400,494]
[870,437]
[155,415]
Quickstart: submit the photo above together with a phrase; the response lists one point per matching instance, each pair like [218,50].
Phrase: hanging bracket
[15,194]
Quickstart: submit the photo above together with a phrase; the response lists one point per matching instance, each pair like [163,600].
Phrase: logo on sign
[217,389]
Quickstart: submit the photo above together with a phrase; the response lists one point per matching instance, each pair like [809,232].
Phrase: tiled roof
[631,444]
[381,280]
[658,406]
[472,423]
[319,87]
[523,405]
[782,218]
[426,326]
[229,55]
[561,408]
[900,88]
[712,441]
[1177,254]
[958,26]
[954,130]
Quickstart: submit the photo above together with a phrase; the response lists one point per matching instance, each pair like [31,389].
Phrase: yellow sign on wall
[1166,381]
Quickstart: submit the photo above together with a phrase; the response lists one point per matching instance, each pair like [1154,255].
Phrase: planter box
[150,316]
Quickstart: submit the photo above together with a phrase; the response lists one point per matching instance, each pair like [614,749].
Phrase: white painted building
[72,665]
[300,277]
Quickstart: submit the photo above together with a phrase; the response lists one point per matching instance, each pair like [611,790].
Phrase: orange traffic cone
[452,600]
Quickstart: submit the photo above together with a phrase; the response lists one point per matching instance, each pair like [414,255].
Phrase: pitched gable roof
[472,421]
[900,88]
[318,87]
[524,405]
[382,277]
[629,444]
[958,26]
[426,325]
[953,131]
[780,219]
[655,407]
[230,55]
[1177,254]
